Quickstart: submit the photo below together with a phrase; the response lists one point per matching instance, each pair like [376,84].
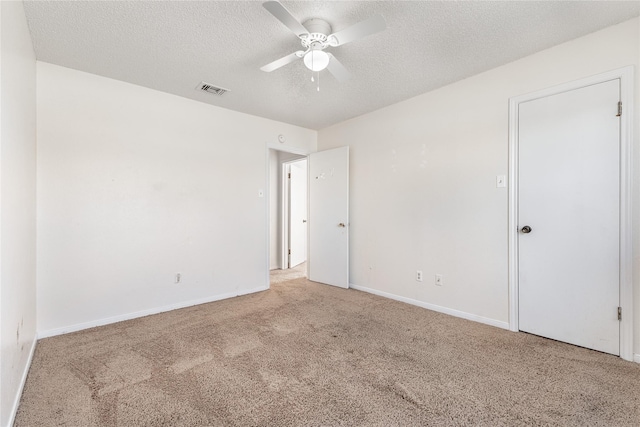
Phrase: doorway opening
[288,204]
[327,204]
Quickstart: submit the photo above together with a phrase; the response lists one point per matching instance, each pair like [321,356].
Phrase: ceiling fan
[315,36]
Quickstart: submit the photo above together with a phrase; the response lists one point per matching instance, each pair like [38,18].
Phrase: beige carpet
[297,272]
[305,354]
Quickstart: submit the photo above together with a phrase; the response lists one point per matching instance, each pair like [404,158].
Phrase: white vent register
[207,87]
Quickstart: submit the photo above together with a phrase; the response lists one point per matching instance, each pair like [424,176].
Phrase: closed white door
[329,217]
[297,213]
[568,216]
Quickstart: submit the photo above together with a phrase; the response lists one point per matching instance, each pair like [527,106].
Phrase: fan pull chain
[312,67]
[312,79]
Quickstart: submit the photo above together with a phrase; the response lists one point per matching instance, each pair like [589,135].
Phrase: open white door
[329,217]
[297,213]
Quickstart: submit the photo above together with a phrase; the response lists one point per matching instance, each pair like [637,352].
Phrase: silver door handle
[526,229]
[341,225]
[304,220]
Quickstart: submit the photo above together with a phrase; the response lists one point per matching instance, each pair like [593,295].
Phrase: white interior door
[329,217]
[568,194]
[298,213]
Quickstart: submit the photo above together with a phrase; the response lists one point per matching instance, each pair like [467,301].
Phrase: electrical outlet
[438,279]
[418,275]
[178,277]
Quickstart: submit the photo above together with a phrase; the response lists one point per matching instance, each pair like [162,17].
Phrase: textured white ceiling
[172,46]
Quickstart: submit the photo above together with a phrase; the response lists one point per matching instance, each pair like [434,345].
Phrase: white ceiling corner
[172,46]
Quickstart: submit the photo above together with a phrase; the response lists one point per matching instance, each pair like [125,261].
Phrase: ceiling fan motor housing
[318,32]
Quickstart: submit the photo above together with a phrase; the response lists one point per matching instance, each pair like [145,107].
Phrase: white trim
[289,149]
[23,380]
[148,312]
[626,210]
[626,227]
[284,215]
[285,209]
[252,290]
[512,221]
[636,358]
[433,307]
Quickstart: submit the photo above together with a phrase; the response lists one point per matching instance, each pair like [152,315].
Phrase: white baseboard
[23,380]
[253,290]
[636,358]
[142,313]
[440,309]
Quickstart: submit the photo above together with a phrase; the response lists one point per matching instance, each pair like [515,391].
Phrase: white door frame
[285,225]
[267,211]
[626,137]
[284,218]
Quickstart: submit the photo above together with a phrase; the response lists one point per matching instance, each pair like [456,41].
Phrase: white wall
[136,185]
[17,205]
[423,179]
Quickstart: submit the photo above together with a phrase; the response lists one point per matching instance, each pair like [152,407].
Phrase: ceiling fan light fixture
[316,60]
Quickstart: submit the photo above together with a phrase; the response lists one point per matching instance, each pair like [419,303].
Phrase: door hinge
[619,313]
[619,109]
[289,251]
[289,175]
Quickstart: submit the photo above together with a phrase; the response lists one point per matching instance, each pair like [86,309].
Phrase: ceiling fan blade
[357,31]
[336,68]
[284,16]
[282,61]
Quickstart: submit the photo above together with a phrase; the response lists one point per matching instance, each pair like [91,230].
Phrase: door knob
[526,229]
[341,225]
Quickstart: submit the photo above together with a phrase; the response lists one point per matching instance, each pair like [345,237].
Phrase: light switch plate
[501,181]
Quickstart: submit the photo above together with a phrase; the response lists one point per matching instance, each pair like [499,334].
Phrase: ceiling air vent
[207,87]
